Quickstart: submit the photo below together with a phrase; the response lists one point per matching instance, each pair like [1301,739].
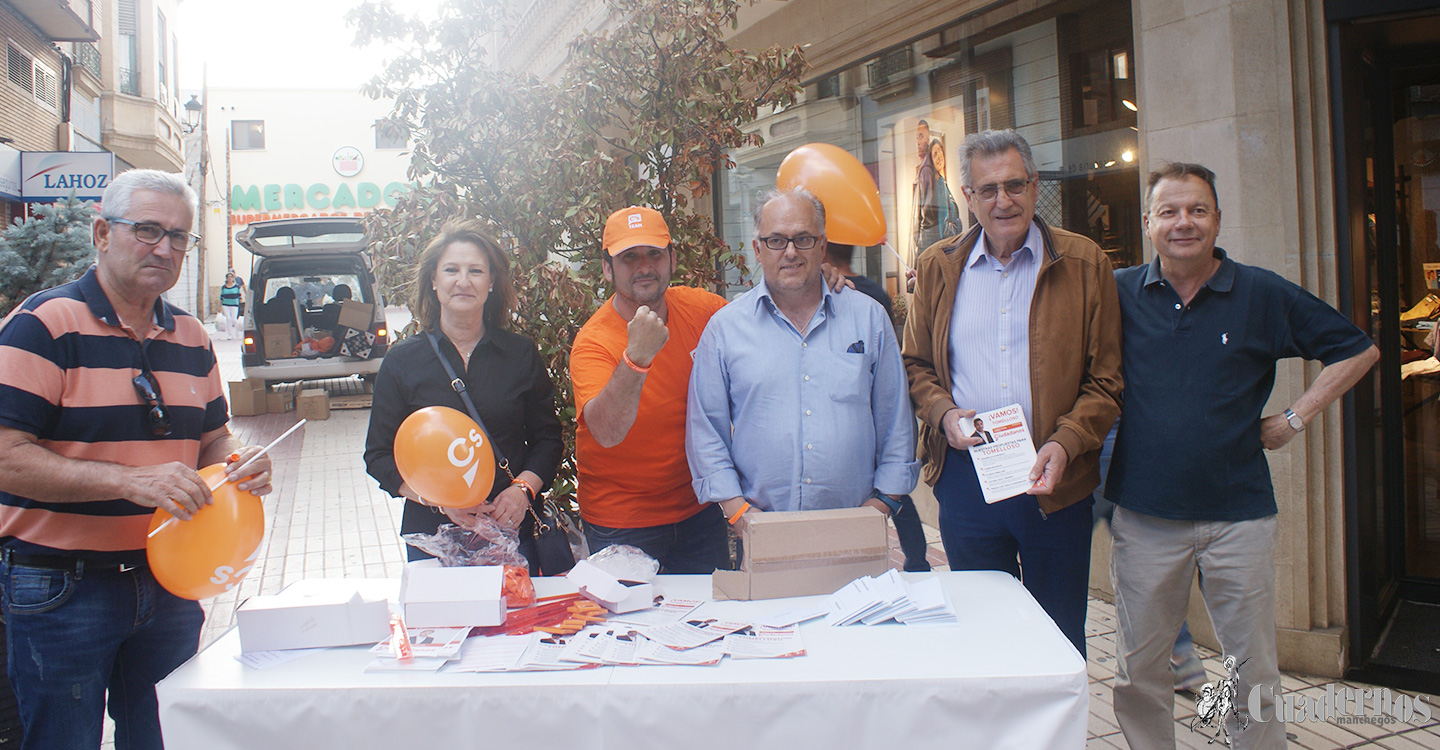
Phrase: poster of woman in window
[936,214]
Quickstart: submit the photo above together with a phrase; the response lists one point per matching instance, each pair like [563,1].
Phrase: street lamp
[192,113]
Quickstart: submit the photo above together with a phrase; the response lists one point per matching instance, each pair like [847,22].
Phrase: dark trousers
[911,533]
[1054,549]
[697,545]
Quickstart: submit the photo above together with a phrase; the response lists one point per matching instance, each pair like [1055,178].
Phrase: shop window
[247,135]
[920,101]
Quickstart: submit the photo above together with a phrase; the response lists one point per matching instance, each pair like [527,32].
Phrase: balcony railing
[89,57]
[130,82]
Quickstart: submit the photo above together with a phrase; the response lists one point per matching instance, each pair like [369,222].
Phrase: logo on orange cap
[633,226]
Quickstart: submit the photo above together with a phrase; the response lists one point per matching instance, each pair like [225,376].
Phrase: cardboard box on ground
[247,398]
[805,553]
[313,404]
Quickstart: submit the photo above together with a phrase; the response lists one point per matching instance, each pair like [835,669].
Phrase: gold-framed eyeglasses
[1013,188]
[151,234]
[776,242]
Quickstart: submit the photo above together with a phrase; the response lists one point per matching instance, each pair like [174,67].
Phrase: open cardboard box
[437,597]
[805,553]
[287,620]
[608,591]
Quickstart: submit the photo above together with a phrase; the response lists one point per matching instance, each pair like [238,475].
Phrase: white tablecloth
[1005,677]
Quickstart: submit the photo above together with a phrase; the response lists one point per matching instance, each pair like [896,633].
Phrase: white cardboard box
[438,597]
[285,621]
[608,591]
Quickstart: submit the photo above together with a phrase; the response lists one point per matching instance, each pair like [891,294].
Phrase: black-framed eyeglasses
[1013,188]
[151,234]
[776,242]
[149,390]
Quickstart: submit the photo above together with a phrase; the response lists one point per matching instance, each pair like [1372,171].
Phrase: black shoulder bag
[551,544]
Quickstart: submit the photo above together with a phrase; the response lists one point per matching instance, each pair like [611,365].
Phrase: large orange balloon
[443,455]
[852,201]
[211,552]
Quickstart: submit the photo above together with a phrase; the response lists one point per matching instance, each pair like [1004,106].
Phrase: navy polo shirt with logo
[1196,379]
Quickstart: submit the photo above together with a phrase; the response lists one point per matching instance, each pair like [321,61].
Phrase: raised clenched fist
[647,335]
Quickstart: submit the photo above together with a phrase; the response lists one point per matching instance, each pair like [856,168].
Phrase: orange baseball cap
[633,226]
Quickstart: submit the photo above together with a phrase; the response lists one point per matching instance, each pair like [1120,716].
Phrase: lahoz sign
[49,175]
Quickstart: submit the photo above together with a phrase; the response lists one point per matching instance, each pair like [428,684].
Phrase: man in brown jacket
[1016,312]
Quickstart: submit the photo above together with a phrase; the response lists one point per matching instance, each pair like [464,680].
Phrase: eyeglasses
[151,234]
[1013,188]
[803,242]
[149,391]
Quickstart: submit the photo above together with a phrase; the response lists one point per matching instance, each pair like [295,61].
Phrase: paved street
[327,518]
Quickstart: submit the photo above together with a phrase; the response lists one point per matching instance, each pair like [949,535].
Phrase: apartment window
[388,135]
[162,59]
[247,135]
[129,47]
[32,77]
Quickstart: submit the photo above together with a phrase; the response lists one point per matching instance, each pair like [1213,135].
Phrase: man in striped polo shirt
[110,398]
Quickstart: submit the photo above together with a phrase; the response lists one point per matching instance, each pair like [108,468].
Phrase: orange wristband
[739,513]
[524,485]
[637,368]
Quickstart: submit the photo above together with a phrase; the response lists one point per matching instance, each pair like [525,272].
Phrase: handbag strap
[459,386]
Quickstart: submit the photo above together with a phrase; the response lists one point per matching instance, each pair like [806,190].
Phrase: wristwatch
[1295,421]
[893,505]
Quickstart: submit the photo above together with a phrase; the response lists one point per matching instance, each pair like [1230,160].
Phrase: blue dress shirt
[990,328]
[800,422]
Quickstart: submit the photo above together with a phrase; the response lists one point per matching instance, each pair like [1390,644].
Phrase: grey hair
[796,192]
[116,200]
[994,143]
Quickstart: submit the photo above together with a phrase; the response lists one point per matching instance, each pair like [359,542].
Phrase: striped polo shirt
[66,366]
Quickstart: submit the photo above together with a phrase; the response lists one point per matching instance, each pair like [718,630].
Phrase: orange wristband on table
[637,368]
[738,513]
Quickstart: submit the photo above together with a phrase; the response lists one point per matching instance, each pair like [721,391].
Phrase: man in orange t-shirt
[630,367]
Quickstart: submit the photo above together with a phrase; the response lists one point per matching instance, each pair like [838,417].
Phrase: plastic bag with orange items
[519,589]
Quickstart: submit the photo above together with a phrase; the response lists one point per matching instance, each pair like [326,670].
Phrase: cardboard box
[436,597]
[357,315]
[313,404]
[805,553]
[279,340]
[608,591]
[279,402]
[283,621]
[247,398]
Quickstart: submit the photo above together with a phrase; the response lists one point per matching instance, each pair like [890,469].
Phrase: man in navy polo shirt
[1202,334]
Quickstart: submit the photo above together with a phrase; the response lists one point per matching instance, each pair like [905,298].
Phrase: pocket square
[856,348]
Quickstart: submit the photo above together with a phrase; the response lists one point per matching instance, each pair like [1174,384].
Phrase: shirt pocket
[849,378]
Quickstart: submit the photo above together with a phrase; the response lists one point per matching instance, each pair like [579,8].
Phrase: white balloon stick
[243,467]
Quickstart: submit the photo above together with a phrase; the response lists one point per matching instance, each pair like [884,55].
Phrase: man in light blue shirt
[798,398]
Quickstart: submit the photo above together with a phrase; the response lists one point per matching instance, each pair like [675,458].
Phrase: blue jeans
[72,636]
[696,546]
[1055,548]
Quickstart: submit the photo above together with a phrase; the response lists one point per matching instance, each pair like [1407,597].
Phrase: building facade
[274,154]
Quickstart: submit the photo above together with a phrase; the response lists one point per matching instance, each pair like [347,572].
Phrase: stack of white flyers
[497,653]
[664,612]
[1005,455]
[693,632]
[430,647]
[873,600]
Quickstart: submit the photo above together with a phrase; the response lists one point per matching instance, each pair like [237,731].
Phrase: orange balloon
[212,552]
[852,201]
[443,455]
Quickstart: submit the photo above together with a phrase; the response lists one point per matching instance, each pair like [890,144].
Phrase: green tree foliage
[47,249]
[644,114]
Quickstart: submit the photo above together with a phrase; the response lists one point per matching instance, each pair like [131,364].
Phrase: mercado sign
[317,197]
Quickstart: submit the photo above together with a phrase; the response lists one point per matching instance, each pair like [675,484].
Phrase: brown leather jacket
[1075,382]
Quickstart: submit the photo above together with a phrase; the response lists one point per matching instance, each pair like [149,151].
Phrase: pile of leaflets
[671,632]
[873,600]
